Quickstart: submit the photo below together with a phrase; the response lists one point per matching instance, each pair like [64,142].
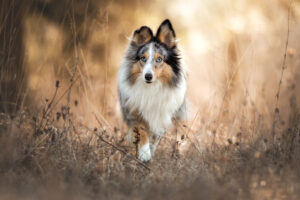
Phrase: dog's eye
[143,59]
[158,60]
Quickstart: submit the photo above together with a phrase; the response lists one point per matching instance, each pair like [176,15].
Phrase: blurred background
[62,136]
[233,50]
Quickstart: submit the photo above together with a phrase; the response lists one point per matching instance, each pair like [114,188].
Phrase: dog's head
[155,58]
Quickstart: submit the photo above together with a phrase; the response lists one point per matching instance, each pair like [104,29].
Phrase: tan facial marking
[146,55]
[157,55]
[135,71]
[166,74]
[162,71]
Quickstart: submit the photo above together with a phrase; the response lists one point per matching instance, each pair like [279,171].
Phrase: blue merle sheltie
[151,86]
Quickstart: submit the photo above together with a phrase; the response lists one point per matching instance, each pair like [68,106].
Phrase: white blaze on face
[148,66]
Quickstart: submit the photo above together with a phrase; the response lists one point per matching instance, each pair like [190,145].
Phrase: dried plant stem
[73,26]
[49,107]
[124,152]
[283,67]
[65,92]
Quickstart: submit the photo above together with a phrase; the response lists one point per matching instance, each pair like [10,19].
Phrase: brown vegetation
[61,136]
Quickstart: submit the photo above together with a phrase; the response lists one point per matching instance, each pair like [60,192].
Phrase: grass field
[61,133]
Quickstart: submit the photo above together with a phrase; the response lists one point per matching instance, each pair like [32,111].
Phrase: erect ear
[166,35]
[142,36]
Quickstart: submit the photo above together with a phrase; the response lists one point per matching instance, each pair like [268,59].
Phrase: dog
[151,86]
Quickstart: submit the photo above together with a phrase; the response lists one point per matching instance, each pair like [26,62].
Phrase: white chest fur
[155,102]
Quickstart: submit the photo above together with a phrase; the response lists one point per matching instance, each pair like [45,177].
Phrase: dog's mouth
[148,82]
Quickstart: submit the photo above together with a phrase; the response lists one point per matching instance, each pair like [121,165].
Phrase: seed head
[57,84]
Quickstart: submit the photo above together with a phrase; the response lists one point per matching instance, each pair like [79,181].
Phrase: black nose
[148,77]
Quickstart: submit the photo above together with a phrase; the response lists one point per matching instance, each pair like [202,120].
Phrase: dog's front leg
[142,143]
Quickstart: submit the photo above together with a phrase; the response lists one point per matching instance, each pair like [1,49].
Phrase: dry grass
[65,138]
[42,159]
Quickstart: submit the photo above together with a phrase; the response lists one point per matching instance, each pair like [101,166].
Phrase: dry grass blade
[68,142]
[283,67]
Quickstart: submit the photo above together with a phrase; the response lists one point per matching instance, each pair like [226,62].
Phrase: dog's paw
[144,154]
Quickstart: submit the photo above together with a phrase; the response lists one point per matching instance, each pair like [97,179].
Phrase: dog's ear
[142,36]
[166,35]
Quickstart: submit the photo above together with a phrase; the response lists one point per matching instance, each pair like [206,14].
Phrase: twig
[121,150]
[49,105]
[276,110]
[65,92]
[101,125]
[124,152]
[190,129]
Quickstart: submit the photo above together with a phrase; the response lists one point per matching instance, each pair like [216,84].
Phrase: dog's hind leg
[156,140]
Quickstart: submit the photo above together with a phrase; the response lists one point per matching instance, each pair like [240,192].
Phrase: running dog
[151,86]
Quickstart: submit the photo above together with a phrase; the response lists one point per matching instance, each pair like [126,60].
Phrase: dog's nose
[148,77]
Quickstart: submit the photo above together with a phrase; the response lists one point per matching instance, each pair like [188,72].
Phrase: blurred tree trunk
[64,13]
[11,54]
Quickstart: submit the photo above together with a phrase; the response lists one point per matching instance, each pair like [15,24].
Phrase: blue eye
[158,60]
[144,59]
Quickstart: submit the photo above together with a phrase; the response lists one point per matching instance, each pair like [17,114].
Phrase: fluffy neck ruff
[156,103]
